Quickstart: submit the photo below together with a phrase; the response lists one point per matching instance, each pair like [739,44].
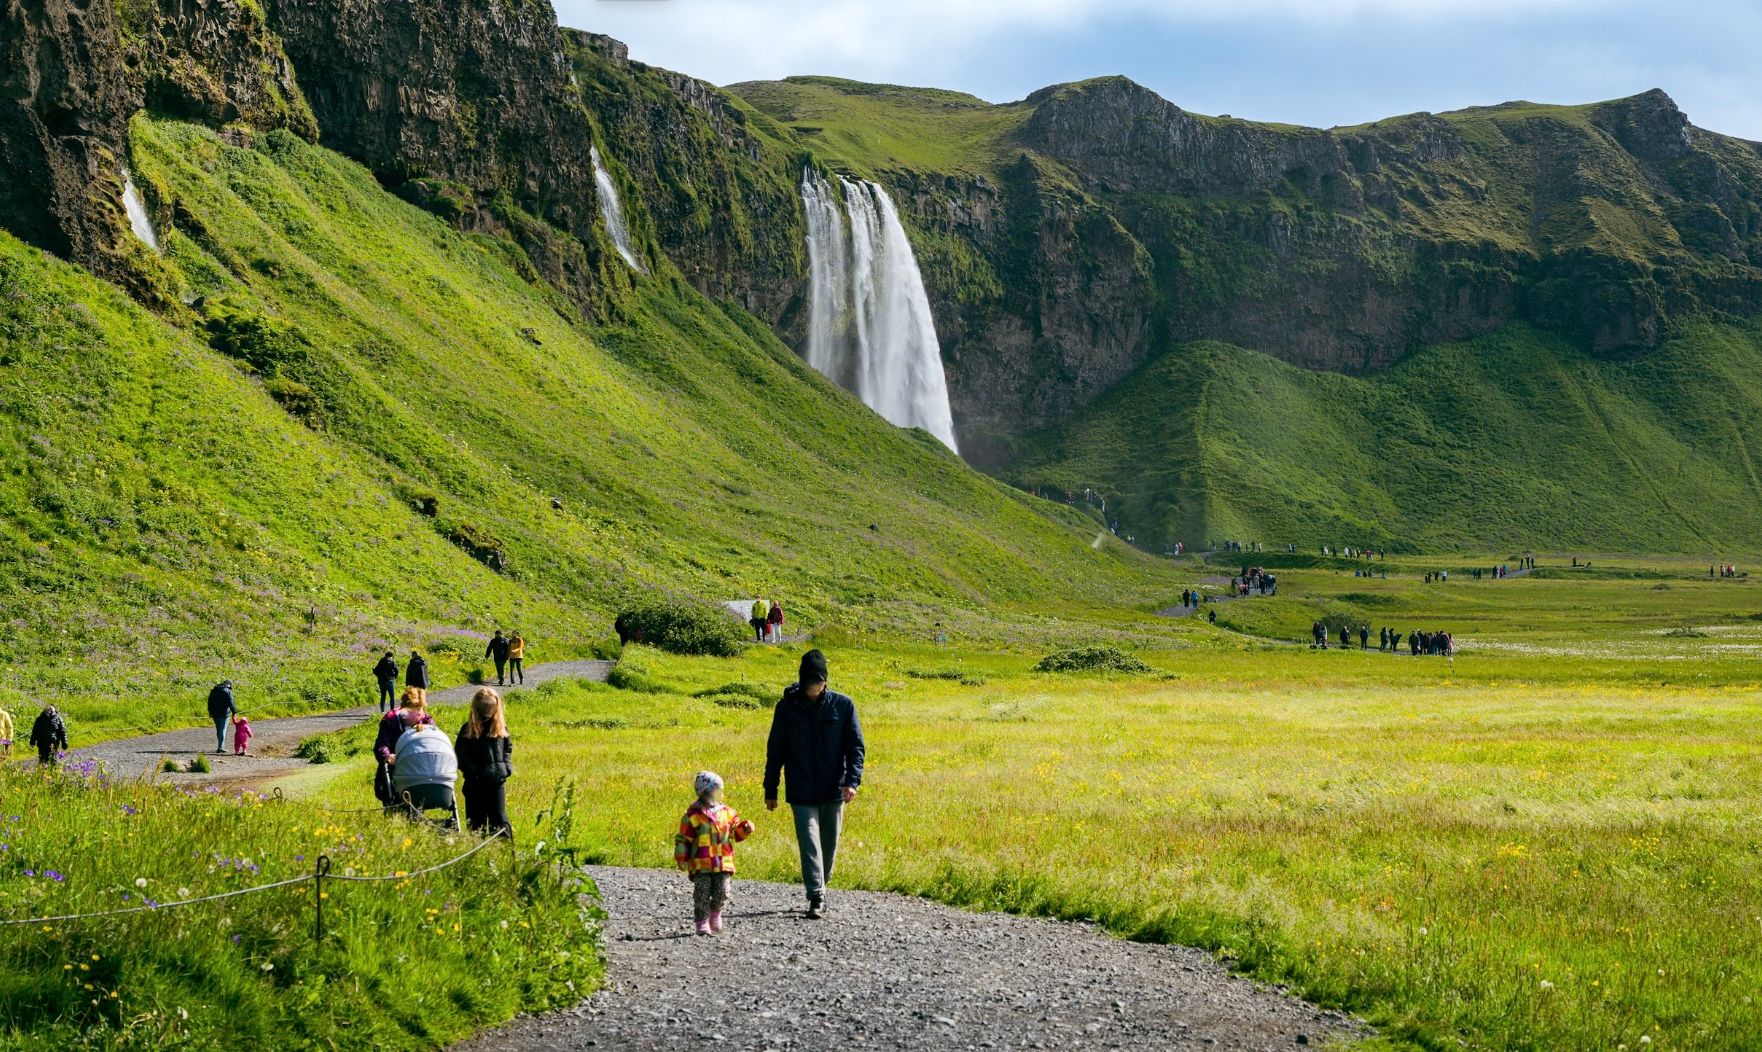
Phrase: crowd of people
[1389,640]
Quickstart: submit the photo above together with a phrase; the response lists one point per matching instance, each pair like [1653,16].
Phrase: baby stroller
[422,779]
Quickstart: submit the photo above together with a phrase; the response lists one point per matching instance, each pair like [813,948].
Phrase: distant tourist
[516,658]
[704,848]
[416,675]
[774,621]
[1364,637]
[486,759]
[386,675]
[49,734]
[241,734]
[5,733]
[497,651]
[621,625]
[816,746]
[1211,617]
[220,710]
[761,616]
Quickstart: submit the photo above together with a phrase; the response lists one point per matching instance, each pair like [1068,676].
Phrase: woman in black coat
[485,759]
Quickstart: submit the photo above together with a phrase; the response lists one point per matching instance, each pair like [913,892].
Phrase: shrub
[200,764]
[168,765]
[952,674]
[738,696]
[684,627]
[300,401]
[1101,658]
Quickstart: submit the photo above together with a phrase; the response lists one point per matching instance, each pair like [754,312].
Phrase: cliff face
[65,101]
[717,193]
[467,108]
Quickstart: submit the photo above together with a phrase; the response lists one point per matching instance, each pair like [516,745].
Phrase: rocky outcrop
[719,199]
[65,101]
[470,104]
[75,71]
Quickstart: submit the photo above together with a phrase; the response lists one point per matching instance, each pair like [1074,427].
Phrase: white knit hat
[707,782]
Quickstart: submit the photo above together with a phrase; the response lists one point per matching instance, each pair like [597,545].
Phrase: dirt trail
[273,741]
[893,972]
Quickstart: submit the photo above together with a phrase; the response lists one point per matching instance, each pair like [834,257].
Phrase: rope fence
[320,873]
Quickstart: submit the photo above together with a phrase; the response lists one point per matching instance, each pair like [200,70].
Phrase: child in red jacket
[704,848]
[241,734]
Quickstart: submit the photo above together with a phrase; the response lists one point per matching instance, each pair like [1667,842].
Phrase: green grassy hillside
[235,488]
[1510,441]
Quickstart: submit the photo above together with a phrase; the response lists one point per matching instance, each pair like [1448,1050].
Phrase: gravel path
[273,741]
[894,972]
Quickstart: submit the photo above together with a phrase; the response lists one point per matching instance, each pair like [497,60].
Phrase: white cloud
[724,40]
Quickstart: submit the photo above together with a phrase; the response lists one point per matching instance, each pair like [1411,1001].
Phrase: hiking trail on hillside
[273,741]
[886,971]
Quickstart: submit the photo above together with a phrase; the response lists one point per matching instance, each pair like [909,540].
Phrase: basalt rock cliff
[1066,239]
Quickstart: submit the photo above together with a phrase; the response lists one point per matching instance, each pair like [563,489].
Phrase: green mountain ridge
[239,488]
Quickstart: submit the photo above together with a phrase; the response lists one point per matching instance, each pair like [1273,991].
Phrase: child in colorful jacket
[241,734]
[704,848]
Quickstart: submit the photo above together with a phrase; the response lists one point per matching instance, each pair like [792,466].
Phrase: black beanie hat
[813,667]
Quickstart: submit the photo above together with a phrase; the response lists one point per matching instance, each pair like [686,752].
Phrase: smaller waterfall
[612,211]
[138,220]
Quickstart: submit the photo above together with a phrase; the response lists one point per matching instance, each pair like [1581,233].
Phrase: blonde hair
[415,698]
[487,719]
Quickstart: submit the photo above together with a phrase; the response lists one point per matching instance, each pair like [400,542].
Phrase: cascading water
[138,220]
[612,211]
[869,323]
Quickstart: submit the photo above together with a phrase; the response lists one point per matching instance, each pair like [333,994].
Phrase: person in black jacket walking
[386,673]
[486,760]
[816,744]
[416,674]
[221,710]
[49,734]
[498,652]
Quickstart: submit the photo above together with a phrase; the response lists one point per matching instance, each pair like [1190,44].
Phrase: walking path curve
[893,972]
[273,741]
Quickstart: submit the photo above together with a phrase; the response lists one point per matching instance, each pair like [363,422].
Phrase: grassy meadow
[1527,847]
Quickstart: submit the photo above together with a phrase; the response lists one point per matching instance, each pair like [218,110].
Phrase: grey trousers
[816,833]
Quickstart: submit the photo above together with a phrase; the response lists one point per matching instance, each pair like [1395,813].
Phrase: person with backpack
[497,651]
[516,658]
[761,616]
[221,710]
[416,675]
[49,734]
[386,675]
[816,743]
[486,760]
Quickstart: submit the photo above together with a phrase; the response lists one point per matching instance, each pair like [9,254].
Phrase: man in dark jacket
[49,734]
[816,743]
[220,710]
[386,673]
[416,672]
[498,652]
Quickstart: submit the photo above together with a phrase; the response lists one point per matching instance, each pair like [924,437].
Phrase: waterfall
[869,323]
[612,211]
[138,220]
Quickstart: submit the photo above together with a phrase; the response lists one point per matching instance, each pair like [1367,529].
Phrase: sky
[1314,62]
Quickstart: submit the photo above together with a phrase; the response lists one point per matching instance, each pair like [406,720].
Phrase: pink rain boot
[716,923]
[703,926]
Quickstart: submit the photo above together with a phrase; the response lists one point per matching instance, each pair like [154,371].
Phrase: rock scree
[890,971]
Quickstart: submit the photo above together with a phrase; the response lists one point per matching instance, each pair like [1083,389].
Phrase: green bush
[738,696]
[684,627]
[200,764]
[1101,658]
[169,765]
